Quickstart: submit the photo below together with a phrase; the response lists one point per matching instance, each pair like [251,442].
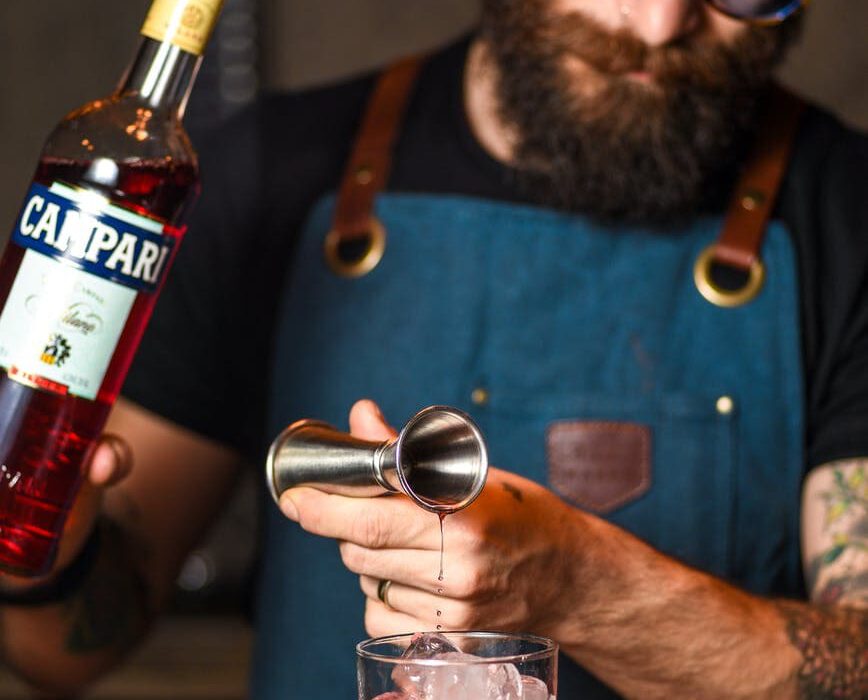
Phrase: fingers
[401,596]
[377,523]
[404,605]
[419,608]
[111,462]
[381,621]
[366,421]
[417,567]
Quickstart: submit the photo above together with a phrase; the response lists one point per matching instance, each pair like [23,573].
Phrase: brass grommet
[361,265]
[720,296]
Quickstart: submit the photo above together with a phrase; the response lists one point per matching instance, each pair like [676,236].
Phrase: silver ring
[383,592]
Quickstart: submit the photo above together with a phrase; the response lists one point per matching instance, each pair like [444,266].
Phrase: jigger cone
[439,459]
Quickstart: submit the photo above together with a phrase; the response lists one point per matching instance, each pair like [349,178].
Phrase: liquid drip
[442,517]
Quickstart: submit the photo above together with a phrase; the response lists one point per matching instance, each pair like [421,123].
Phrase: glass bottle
[96,234]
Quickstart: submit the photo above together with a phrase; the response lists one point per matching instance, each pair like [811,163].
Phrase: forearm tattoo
[832,634]
[838,572]
[833,642]
[513,491]
[111,610]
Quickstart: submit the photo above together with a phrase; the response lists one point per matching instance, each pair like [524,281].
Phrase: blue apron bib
[557,318]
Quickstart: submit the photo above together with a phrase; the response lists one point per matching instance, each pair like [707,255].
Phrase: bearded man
[597,227]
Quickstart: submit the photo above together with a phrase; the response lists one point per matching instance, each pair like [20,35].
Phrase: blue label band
[85,230]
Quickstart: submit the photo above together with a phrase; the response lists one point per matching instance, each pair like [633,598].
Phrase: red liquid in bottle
[45,437]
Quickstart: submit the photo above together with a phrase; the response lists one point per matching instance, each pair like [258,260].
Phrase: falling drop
[442,517]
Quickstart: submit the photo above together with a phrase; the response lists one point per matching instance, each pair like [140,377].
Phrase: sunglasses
[762,11]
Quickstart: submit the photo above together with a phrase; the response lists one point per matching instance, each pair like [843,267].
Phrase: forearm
[61,647]
[651,627]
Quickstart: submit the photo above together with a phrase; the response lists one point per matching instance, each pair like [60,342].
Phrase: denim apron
[556,318]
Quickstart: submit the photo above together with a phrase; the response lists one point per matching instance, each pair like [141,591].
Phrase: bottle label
[185,23]
[84,263]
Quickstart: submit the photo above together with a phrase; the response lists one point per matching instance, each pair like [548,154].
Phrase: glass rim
[547,645]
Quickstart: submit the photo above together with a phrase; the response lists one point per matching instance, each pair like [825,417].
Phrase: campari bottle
[95,237]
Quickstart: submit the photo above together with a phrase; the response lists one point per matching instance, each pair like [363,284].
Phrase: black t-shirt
[204,360]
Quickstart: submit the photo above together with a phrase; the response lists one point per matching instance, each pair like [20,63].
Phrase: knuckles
[355,558]
[506,614]
[462,616]
[469,582]
[372,530]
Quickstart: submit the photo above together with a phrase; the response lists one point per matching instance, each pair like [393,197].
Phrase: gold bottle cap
[185,23]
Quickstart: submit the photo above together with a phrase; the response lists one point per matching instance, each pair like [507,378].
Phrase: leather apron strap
[751,206]
[357,240]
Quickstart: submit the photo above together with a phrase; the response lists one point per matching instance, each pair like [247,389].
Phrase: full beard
[591,139]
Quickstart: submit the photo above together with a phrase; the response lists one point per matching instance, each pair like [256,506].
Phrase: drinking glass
[457,666]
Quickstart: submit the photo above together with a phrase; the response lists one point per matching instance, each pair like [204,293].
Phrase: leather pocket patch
[598,465]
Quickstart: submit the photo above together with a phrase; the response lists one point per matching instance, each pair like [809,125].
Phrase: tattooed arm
[653,628]
[835,533]
[147,525]
[712,640]
[522,559]
[832,635]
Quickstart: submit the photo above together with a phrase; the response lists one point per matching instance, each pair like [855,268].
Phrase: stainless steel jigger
[439,460]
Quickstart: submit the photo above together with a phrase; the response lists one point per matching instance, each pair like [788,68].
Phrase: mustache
[696,63]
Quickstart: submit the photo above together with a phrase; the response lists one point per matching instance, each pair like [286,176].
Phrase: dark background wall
[56,54]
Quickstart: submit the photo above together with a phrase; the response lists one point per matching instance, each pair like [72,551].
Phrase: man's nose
[660,22]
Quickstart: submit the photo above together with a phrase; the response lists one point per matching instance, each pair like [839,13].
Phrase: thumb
[367,422]
[111,461]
